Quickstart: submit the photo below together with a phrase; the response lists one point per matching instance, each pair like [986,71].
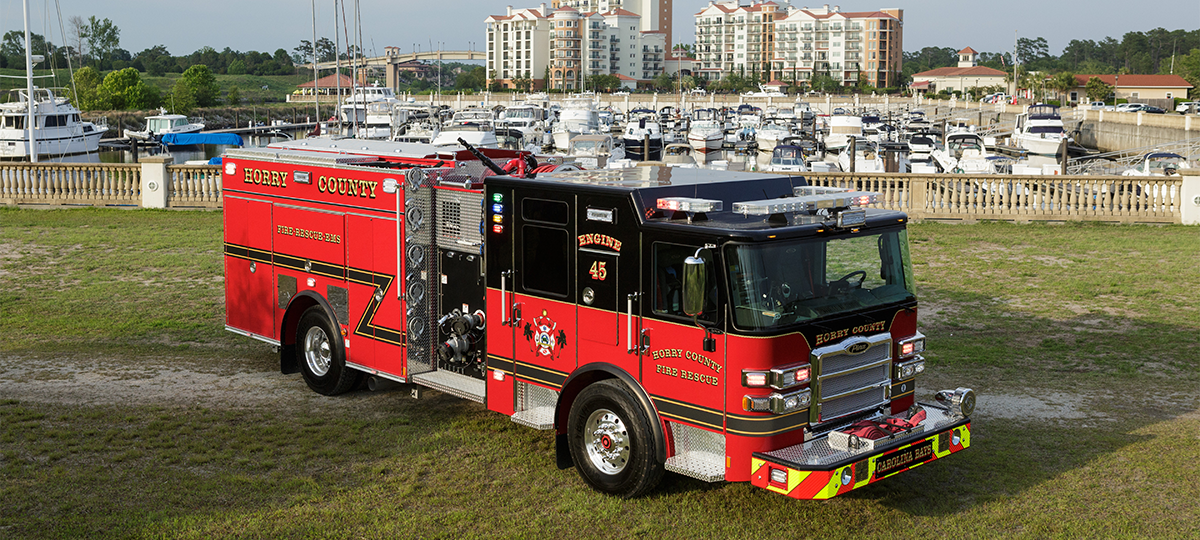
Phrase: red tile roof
[968,50]
[330,81]
[1142,81]
[977,71]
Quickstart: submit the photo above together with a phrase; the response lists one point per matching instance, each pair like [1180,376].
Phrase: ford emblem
[858,348]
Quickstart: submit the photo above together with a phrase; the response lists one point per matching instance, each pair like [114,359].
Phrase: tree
[86,82]
[1097,90]
[201,85]
[102,37]
[78,30]
[125,89]
[664,83]
[1061,83]
[236,67]
[233,98]
[1189,67]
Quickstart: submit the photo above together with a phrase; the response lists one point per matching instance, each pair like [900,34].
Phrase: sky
[184,26]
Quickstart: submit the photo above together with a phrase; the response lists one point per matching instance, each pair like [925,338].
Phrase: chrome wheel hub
[607,441]
[316,351]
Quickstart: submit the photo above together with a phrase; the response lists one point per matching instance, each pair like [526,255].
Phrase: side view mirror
[695,284]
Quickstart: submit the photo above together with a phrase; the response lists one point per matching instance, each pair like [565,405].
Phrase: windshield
[784,283]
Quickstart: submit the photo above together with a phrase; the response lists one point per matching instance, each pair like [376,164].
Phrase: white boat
[771,133]
[804,112]
[788,158]
[679,155]
[642,137]
[59,129]
[1158,164]
[473,125]
[965,153]
[162,124]
[866,158]
[354,108]
[594,151]
[706,135]
[764,91]
[578,116]
[1040,130]
[384,119]
[842,128]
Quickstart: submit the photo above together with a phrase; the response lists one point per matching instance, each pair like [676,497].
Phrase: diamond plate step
[536,418]
[699,465]
[453,383]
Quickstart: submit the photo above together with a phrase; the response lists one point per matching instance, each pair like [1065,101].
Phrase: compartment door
[250,300]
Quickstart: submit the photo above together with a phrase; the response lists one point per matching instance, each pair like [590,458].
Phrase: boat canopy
[182,139]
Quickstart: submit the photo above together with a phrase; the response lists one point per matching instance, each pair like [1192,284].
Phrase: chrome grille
[838,407]
[850,376]
[842,383]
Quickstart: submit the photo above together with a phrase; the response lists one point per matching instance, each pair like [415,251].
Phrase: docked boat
[578,116]
[965,153]
[525,122]
[706,135]
[1158,164]
[771,133]
[594,151]
[788,158]
[866,158]
[842,128]
[58,127]
[472,125]
[764,91]
[1040,130]
[162,124]
[355,107]
[642,138]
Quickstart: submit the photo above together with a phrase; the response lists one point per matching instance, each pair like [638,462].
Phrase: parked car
[621,93]
[1185,107]
[1151,109]
[1130,107]
[697,91]
[1097,106]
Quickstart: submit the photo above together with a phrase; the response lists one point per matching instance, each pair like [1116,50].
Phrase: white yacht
[59,130]
[706,135]
[1158,164]
[965,152]
[842,128]
[579,116]
[473,125]
[354,108]
[594,151]
[162,124]
[771,133]
[1040,130]
[866,158]
[788,158]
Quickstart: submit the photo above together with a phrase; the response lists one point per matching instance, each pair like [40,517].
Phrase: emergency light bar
[689,204]
[767,207]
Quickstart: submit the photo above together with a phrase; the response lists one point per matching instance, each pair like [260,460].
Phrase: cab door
[684,366]
[606,281]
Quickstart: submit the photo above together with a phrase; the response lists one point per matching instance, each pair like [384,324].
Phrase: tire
[321,356]
[611,441]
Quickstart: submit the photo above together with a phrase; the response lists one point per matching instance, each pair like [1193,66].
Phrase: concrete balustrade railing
[156,183]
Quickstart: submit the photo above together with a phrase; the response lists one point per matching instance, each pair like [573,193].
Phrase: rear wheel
[611,441]
[320,355]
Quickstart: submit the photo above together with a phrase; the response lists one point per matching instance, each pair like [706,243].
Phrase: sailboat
[57,129]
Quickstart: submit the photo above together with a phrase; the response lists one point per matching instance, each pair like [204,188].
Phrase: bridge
[383,61]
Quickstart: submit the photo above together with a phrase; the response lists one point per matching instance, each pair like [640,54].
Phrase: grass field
[126,410]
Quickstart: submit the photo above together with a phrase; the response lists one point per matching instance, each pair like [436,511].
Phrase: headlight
[909,369]
[777,402]
[780,378]
[912,345]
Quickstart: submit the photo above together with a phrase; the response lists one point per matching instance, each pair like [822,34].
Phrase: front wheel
[320,355]
[611,441]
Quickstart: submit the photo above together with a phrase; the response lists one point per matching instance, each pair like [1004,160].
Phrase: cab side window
[667,293]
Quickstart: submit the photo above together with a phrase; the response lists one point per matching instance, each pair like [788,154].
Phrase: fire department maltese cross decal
[542,337]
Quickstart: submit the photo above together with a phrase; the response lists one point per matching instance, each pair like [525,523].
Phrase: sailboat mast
[30,103]
[316,96]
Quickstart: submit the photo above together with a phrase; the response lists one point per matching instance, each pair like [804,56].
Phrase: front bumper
[816,470]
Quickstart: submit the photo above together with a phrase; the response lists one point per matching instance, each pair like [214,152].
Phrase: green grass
[1107,314]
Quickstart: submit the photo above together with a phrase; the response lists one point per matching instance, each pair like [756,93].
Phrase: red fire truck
[721,325]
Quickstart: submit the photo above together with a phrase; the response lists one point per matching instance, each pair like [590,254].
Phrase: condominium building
[655,14]
[780,42]
[560,48]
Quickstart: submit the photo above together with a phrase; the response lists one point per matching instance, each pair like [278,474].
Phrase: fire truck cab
[725,326]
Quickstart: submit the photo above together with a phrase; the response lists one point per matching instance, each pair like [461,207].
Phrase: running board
[453,383]
[536,418]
